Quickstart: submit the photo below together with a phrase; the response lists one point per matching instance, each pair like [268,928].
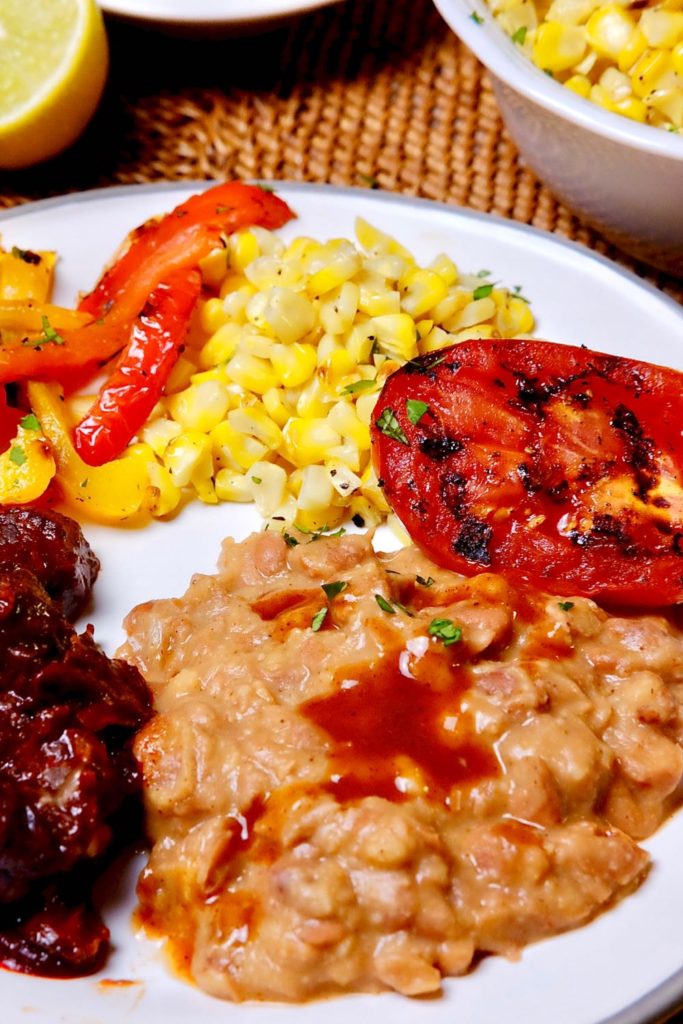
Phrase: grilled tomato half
[559,467]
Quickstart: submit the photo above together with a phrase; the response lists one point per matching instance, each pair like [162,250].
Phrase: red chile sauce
[394,711]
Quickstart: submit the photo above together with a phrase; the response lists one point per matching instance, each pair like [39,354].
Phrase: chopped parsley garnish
[548,72]
[26,255]
[476,18]
[318,619]
[257,480]
[520,35]
[445,630]
[332,589]
[429,582]
[266,188]
[369,179]
[290,541]
[30,422]
[17,455]
[415,410]
[402,608]
[483,273]
[322,532]
[517,290]
[566,606]
[384,604]
[48,337]
[389,425]
[358,385]
[482,292]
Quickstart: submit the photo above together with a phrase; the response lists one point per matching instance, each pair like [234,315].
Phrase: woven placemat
[371,92]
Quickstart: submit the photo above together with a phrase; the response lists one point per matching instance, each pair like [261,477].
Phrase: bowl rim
[498,53]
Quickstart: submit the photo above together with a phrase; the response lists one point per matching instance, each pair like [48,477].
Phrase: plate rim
[348,192]
[661,1002]
[191,18]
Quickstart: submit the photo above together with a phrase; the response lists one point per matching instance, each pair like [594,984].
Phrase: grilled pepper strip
[108,493]
[179,240]
[133,389]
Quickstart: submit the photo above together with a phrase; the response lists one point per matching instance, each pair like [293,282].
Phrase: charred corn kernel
[26,468]
[609,30]
[268,486]
[339,308]
[251,373]
[180,376]
[231,486]
[243,248]
[343,480]
[316,489]
[363,512]
[314,399]
[422,290]
[282,313]
[163,496]
[376,242]
[255,422]
[632,51]
[649,70]
[212,315]
[341,268]
[514,317]
[188,457]
[309,440]
[677,59]
[214,267]
[319,519]
[26,275]
[343,419]
[221,346]
[200,406]
[233,449]
[436,339]
[293,364]
[372,491]
[475,312]
[558,47]
[580,85]
[662,28]
[396,335]
[365,405]
[276,407]
[444,266]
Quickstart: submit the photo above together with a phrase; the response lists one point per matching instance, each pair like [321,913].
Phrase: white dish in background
[623,177]
[210,15]
[626,967]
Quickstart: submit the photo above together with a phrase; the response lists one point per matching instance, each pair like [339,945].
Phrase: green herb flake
[369,179]
[384,604]
[476,18]
[415,410]
[332,589]
[257,480]
[49,333]
[323,531]
[566,606]
[30,422]
[429,582]
[26,255]
[318,619]
[520,35]
[483,273]
[84,483]
[388,424]
[267,188]
[290,541]
[17,455]
[517,290]
[445,630]
[482,292]
[358,385]
[406,611]
[548,72]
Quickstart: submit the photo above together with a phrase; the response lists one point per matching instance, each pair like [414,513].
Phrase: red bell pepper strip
[136,384]
[180,239]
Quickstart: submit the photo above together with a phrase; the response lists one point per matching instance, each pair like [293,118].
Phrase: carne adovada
[67,718]
[365,769]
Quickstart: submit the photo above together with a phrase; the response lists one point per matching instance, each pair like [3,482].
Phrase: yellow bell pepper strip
[27,466]
[179,241]
[26,275]
[108,494]
[27,318]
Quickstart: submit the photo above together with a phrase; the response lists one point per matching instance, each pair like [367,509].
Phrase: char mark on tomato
[558,466]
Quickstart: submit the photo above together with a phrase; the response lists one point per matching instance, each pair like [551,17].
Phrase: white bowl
[624,178]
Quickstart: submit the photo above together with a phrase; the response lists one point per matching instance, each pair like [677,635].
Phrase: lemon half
[53,66]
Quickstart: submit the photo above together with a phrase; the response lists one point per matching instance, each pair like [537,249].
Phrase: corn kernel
[360,508]
[376,242]
[201,406]
[340,364]
[309,440]
[677,59]
[234,450]
[232,486]
[188,455]
[294,363]
[343,480]
[475,312]
[558,47]
[251,373]
[475,333]
[631,106]
[282,313]
[580,85]
[221,346]
[163,496]
[396,335]
[372,491]
[436,339]
[375,299]
[337,310]
[270,271]
[268,485]
[609,30]
[243,247]
[319,519]
[316,489]
[632,50]
[214,267]
[212,315]
[422,290]
[275,406]
[350,455]
[343,419]
[444,266]
[180,376]
[514,318]
[662,28]
[365,405]
[254,421]
[159,433]
[649,70]
[314,399]
[341,268]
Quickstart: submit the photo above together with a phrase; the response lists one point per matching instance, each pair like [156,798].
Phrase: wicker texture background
[368,92]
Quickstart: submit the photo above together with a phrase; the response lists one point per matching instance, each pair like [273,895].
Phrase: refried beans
[363,787]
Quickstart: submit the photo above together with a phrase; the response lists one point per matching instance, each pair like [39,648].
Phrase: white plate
[193,14]
[626,967]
